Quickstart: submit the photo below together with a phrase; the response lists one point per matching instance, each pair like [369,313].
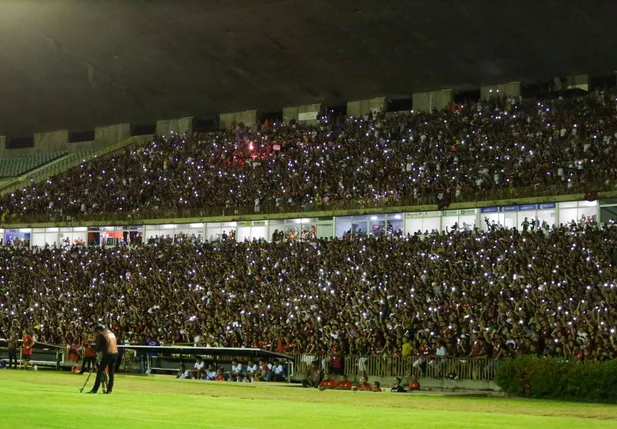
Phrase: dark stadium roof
[77,64]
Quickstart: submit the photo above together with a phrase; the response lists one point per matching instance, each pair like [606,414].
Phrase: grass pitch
[52,400]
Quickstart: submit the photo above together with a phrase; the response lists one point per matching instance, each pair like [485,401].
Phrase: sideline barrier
[354,366]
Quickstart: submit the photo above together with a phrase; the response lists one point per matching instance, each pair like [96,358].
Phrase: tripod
[103,381]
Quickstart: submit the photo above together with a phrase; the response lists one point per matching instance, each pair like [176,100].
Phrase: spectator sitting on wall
[278,372]
[183,372]
[236,373]
[220,376]
[344,384]
[210,373]
[327,383]
[414,385]
[396,385]
[363,385]
[251,370]
[313,375]
[198,368]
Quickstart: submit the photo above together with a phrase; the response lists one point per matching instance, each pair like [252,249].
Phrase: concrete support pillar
[248,118]
[54,140]
[363,107]
[434,100]
[308,114]
[580,81]
[181,125]
[511,89]
[112,133]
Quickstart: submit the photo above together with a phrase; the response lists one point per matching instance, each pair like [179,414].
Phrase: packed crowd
[504,143]
[466,293]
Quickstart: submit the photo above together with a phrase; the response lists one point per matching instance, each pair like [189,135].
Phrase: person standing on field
[106,345]
[13,350]
[27,345]
[89,356]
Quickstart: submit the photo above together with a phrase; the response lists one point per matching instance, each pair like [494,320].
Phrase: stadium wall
[434,100]
[363,107]
[308,114]
[181,125]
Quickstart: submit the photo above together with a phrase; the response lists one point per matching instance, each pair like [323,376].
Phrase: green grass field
[52,400]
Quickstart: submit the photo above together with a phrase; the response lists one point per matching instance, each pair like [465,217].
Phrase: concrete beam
[580,81]
[248,118]
[112,133]
[434,100]
[180,125]
[307,114]
[54,140]
[363,107]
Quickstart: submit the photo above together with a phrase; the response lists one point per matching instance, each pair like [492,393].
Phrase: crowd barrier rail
[355,366]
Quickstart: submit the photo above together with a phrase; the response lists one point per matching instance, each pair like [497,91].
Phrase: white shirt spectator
[199,365]
[185,374]
[236,368]
[441,351]
[278,369]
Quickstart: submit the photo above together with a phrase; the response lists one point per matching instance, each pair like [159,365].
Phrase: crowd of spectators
[505,143]
[464,293]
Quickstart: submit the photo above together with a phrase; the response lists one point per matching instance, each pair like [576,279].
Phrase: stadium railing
[355,366]
[491,195]
[40,357]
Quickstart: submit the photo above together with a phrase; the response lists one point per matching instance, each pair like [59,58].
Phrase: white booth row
[309,228]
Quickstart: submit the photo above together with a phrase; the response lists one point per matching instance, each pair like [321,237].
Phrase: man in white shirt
[210,373]
[441,353]
[183,372]
[236,371]
[278,372]
[198,368]
[250,371]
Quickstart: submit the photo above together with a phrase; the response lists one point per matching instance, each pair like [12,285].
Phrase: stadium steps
[61,165]
[18,166]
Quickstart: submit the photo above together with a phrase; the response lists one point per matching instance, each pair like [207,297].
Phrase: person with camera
[107,346]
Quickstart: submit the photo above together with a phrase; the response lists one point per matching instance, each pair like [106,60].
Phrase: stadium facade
[338,225]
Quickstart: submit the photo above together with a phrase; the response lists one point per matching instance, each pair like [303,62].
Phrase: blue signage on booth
[489,209]
[547,206]
[526,207]
[522,208]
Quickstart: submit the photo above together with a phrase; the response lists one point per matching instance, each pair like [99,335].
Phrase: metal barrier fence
[355,366]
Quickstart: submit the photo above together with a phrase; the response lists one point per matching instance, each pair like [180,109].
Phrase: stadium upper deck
[506,146]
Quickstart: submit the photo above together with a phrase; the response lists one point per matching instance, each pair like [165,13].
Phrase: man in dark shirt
[396,385]
[107,346]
